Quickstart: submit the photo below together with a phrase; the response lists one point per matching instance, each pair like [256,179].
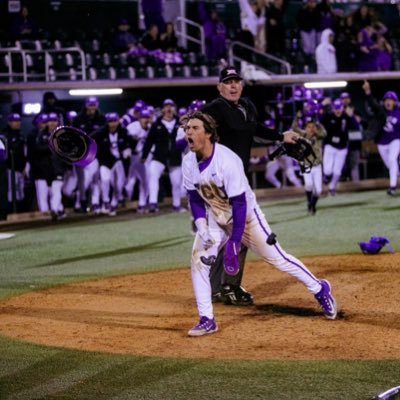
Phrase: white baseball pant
[115,178]
[390,156]
[333,161]
[46,194]
[286,164]
[138,170]
[89,177]
[255,236]
[313,180]
[175,175]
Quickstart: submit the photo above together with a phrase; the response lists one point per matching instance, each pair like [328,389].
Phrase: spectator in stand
[214,32]
[252,22]
[169,41]
[151,39]
[24,28]
[308,24]
[16,158]
[153,14]
[123,39]
[166,155]
[275,27]
[363,16]
[114,154]
[326,15]
[325,54]
[384,54]
[368,49]
[346,44]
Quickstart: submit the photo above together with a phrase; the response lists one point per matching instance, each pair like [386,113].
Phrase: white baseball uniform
[216,181]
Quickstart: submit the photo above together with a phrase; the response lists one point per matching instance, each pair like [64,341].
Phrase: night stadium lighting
[95,92]
[325,85]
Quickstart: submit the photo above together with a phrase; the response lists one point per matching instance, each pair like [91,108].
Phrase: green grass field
[79,250]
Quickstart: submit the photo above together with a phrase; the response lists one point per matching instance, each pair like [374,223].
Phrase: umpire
[237,124]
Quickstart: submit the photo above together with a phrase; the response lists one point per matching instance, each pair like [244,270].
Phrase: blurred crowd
[325,38]
[140,152]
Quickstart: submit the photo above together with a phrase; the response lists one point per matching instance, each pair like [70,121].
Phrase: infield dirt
[150,314]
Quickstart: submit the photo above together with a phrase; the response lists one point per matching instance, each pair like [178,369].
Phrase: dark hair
[210,126]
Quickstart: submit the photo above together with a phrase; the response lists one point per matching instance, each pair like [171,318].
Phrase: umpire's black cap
[229,73]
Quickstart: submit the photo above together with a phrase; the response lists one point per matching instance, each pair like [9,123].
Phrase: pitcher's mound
[150,314]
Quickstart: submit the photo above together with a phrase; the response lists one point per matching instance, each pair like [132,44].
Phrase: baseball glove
[73,145]
[301,151]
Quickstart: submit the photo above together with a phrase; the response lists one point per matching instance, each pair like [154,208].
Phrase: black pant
[218,277]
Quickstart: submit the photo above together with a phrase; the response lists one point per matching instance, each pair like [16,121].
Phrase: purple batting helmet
[375,244]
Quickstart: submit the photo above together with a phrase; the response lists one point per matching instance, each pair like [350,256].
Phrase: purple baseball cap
[145,113]
[41,118]
[182,111]
[391,95]
[53,117]
[112,116]
[13,117]
[229,72]
[345,95]
[71,114]
[270,123]
[337,104]
[168,102]
[92,101]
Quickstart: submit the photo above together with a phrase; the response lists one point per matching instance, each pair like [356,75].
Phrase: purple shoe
[326,300]
[204,327]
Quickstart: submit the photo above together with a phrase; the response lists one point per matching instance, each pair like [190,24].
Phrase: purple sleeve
[239,212]
[197,205]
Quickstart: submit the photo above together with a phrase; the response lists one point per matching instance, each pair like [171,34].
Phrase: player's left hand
[231,257]
[290,137]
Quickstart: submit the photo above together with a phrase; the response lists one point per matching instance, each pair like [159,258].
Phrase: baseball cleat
[236,296]
[326,300]
[204,327]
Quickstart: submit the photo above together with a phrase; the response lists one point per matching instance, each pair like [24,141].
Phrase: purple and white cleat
[204,327]
[326,300]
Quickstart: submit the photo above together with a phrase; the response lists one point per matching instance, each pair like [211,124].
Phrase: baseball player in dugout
[227,215]
[238,125]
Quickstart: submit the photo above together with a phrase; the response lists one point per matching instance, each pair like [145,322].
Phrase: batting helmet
[73,145]
[375,244]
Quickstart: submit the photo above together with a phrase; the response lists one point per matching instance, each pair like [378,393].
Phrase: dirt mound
[150,314]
